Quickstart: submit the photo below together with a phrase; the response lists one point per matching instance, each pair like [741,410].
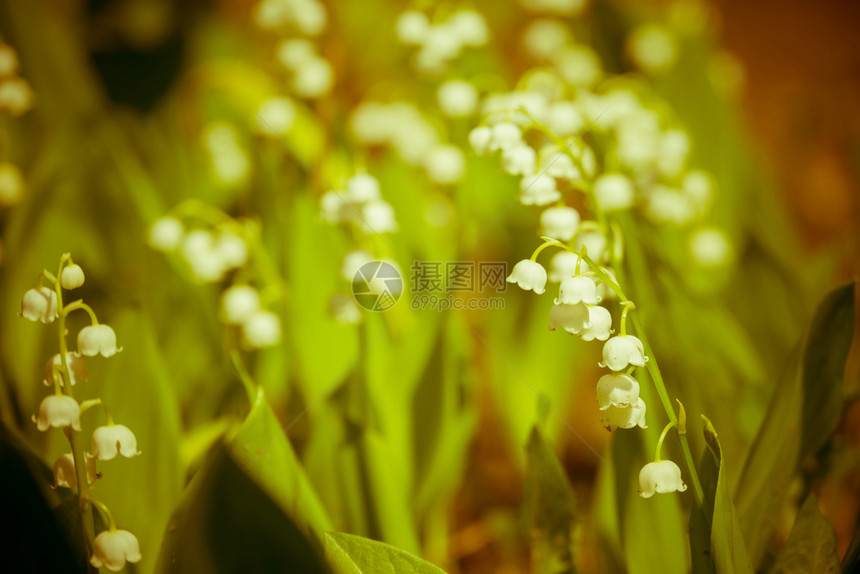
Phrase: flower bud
[262,329]
[58,411]
[578,289]
[559,223]
[480,138]
[238,303]
[39,305]
[378,217]
[166,234]
[113,548]
[112,439]
[571,318]
[529,275]
[97,340]
[362,188]
[505,135]
[621,351]
[617,390]
[519,159]
[412,28]
[74,361]
[457,98]
[72,276]
[660,477]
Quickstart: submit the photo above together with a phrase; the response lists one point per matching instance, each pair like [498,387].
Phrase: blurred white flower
[275,117]
[166,234]
[710,247]
[313,78]
[412,28]
[261,329]
[538,189]
[545,37]
[378,217]
[64,470]
[614,191]
[559,222]
[469,27]
[352,262]
[11,184]
[238,303]
[653,48]
[445,164]
[39,304]
[457,98]
[519,159]
[113,548]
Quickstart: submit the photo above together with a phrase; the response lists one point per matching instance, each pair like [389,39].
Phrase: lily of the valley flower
[64,470]
[660,477]
[538,189]
[113,548]
[571,318]
[529,275]
[578,289]
[72,276]
[621,351]
[166,234]
[238,302]
[58,411]
[39,305]
[112,439]
[599,324]
[617,390]
[97,340]
[262,329]
[77,368]
[624,417]
[559,223]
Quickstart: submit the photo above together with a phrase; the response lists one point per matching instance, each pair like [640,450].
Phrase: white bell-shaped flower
[555,162]
[624,417]
[378,217]
[593,241]
[470,27]
[621,351]
[294,52]
[480,138]
[39,304]
[166,234]
[571,318]
[58,411]
[559,222]
[112,439]
[335,208]
[505,135]
[538,189]
[562,266]
[412,28]
[362,188]
[617,390]
[660,477]
[238,302]
[614,191]
[519,159]
[74,361]
[445,164]
[313,78]
[232,249]
[262,329]
[64,470]
[352,262]
[97,340]
[564,119]
[578,289]
[529,275]
[113,548]
[72,277]
[275,117]
[457,98]
[599,324]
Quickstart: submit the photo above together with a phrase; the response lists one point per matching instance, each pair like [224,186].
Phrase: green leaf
[728,550]
[550,508]
[827,347]
[349,554]
[225,523]
[811,377]
[811,546]
[35,540]
[262,448]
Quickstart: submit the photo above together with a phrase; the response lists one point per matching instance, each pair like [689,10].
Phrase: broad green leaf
[262,448]
[811,546]
[827,347]
[728,550]
[36,539]
[136,386]
[790,431]
[549,507]
[349,554]
[225,523]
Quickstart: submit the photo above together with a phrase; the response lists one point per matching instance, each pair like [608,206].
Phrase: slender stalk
[74,439]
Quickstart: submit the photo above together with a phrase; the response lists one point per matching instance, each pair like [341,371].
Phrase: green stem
[103,507]
[74,439]
[79,304]
[660,440]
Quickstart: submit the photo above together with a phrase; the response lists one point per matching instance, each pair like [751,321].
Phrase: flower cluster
[442,40]
[215,245]
[77,469]
[16,98]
